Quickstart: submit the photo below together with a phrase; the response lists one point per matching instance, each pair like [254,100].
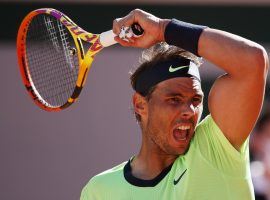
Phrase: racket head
[51,58]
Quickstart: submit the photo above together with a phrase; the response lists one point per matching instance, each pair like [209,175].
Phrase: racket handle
[107,38]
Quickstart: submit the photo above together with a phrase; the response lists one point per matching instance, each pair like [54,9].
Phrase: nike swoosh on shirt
[171,69]
[176,181]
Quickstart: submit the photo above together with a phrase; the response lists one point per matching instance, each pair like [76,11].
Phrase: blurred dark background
[52,155]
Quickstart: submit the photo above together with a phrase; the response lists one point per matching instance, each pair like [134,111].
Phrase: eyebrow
[174,94]
[170,94]
[199,95]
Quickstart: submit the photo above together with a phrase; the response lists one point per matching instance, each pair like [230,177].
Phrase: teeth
[183,127]
[183,138]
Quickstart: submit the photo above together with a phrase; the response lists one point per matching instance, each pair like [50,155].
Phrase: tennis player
[180,157]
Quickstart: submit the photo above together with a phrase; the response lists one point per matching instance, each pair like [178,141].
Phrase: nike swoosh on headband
[171,69]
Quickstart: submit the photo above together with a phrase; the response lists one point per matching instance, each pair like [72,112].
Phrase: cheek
[159,119]
[198,112]
[161,115]
[156,119]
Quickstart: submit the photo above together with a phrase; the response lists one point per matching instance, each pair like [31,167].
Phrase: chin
[183,151]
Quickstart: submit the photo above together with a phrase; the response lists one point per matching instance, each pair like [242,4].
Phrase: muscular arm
[236,98]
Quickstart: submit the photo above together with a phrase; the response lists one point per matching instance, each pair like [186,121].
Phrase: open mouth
[181,133]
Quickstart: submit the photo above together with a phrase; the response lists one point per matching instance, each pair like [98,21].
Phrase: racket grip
[107,38]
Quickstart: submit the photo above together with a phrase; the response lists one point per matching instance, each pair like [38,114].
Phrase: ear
[140,105]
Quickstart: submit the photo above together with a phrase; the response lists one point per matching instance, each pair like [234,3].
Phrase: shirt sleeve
[87,192]
[218,151]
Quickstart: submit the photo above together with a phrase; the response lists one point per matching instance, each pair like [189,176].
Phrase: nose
[187,110]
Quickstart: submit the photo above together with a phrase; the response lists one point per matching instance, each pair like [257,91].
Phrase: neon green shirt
[211,169]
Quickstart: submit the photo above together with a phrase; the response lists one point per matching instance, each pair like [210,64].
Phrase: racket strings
[43,73]
[65,44]
[52,33]
[53,70]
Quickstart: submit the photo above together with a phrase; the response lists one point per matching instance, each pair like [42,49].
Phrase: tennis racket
[52,58]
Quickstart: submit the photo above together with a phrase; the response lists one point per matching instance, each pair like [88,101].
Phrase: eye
[174,100]
[197,101]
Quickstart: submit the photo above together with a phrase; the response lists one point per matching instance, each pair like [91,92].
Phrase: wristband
[183,35]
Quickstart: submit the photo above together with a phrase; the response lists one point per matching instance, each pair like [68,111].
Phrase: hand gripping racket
[52,59]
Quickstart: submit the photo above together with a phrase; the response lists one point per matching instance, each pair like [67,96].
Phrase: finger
[128,20]
[116,26]
[131,40]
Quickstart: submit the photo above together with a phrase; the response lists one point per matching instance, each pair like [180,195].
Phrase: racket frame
[85,58]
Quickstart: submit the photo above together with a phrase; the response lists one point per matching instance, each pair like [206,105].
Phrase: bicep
[235,105]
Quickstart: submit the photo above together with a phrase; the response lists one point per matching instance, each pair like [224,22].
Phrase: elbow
[260,62]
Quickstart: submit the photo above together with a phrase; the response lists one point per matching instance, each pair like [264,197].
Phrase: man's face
[174,109]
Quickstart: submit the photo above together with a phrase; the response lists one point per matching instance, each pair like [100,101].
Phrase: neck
[150,162]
